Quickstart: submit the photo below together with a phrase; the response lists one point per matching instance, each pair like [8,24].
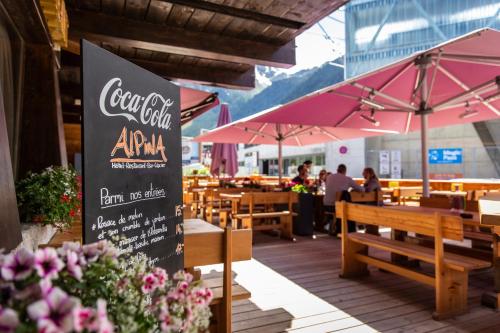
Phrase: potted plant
[303,222]
[92,288]
[51,197]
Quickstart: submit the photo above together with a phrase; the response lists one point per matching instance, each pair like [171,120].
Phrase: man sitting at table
[338,183]
[301,178]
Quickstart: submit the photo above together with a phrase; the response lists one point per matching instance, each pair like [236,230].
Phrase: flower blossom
[17,266]
[47,263]
[54,312]
[73,265]
[8,320]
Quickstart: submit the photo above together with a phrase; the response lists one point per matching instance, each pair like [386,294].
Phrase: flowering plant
[52,196]
[299,188]
[92,289]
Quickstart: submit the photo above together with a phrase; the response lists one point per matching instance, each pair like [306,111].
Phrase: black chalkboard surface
[132,179]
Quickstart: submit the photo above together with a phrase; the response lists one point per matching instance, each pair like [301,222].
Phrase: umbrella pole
[423,63]
[425,158]
[280,160]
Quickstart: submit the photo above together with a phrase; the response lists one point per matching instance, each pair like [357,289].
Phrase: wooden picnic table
[491,299]
[203,244]
[235,199]
[461,194]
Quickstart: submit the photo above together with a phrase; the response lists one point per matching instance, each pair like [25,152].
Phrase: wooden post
[451,285]
[227,281]
[350,266]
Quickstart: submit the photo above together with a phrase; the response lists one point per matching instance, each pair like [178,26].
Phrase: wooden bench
[364,198]
[450,279]
[406,193]
[250,219]
[214,205]
[446,203]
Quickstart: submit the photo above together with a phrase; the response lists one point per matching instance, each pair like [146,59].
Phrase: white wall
[354,158]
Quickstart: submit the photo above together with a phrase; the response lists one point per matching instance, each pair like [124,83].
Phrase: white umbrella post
[279,138]
[423,63]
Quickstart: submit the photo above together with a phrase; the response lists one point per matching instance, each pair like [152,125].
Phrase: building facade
[379,32]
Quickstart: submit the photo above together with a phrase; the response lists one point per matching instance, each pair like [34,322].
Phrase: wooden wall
[10,229]
[72,134]
[42,135]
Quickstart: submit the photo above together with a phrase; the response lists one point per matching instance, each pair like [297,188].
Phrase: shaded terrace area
[295,287]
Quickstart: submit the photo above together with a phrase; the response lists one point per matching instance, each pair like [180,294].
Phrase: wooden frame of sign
[132,177]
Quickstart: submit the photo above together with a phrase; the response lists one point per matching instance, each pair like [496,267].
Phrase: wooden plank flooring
[295,287]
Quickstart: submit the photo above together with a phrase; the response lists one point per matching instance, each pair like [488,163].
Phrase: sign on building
[131,159]
[445,156]
[396,164]
[384,162]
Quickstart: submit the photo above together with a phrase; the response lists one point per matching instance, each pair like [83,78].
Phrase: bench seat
[453,261]
[264,215]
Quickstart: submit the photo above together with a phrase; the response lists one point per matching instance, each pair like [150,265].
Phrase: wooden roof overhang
[211,42]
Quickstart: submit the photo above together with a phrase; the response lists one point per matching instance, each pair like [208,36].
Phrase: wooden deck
[295,287]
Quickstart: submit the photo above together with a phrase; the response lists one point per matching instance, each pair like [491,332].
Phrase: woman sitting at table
[371,183]
[321,181]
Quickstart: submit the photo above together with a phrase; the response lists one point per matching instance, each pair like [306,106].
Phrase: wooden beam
[139,34]
[239,12]
[202,75]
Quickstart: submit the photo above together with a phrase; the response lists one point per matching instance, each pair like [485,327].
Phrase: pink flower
[73,265]
[161,276]
[47,263]
[90,320]
[84,319]
[8,320]
[18,266]
[149,283]
[103,323]
[54,313]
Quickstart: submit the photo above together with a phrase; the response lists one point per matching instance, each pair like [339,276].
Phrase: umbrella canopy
[224,156]
[250,131]
[195,102]
[453,83]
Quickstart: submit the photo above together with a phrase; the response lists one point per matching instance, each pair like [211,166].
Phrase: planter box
[35,234]
[303,223]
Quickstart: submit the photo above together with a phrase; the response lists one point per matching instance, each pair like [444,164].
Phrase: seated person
[301,178]
[308,164]
[372,184]
[371,181]
[337,183]
[321,181]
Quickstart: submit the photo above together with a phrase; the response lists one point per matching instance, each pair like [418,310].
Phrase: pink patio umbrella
[250,131]
[196,102]
[224,156]
[453,83]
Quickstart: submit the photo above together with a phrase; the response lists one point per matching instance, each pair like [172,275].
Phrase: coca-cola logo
[152,109]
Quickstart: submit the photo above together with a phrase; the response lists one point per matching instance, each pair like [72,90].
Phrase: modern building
[379,32]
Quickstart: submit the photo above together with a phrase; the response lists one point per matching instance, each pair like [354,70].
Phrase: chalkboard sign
[132,179]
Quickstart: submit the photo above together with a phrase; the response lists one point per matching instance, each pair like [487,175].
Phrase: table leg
[492,298]
[400,236]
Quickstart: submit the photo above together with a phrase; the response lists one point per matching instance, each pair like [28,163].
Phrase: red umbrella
[250,131]
[453,83]
[196,102]
[224,156]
